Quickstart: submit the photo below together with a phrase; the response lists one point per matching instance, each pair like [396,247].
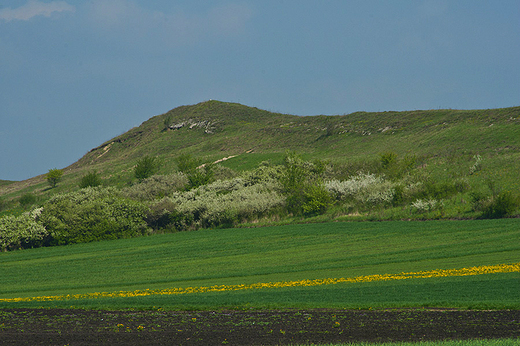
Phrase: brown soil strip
[287,327]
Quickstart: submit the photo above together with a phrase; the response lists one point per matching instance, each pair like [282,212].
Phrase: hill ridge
[215,129]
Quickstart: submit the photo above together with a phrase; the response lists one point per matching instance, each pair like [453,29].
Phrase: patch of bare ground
[254,327]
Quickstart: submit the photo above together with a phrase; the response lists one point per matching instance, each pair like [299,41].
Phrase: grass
[274,254]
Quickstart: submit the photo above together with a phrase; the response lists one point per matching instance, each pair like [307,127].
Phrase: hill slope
[213,130]
[216,129]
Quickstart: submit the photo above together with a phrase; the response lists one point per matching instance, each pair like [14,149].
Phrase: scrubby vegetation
[91,179]
[146,167]
[294,190]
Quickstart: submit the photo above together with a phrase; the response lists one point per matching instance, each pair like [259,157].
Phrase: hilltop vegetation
[219,164]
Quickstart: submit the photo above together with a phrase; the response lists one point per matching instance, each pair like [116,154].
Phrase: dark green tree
[146,167]
[200,176]
[303,185]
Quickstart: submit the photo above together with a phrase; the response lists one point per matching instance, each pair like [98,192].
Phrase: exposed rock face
[204,124]
[177,126]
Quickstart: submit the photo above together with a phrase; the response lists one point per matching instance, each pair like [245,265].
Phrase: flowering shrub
[157,186]
[219,203]
[364,188]
[92,214]
[262,174]
[22,232]
[225,203]
[423,206]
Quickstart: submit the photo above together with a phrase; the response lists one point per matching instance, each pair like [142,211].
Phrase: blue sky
[74,74]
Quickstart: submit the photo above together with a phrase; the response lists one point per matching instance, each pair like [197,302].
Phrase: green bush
[146,167]
[502,205]
[388,159]
[92,214]
[399,195]
[167,121]
[164,216]
[479,200]
[197,174]
[302,184]
[315,200]
[27,200]
[438,190]
[395,168]
[90,179]
[461,185]
[200,176]
[187,164]
[22,232]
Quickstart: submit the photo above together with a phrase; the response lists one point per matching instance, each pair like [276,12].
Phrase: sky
[76,73]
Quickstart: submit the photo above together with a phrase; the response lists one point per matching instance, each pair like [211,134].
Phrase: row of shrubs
[87,215]
[176,202]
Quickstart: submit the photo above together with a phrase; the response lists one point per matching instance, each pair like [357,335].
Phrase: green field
[278,254]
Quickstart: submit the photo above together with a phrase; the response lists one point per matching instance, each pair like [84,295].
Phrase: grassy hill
[213,130]
[444,141]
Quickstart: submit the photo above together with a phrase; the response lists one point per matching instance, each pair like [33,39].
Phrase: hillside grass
[444,141]
[276,254]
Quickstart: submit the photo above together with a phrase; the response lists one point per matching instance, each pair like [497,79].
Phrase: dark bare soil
[95,327]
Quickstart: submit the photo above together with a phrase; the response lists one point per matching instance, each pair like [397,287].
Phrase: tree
[145,167]
[200,176]
[196,173]
[90,179]
[187,164]
[54,176]
[303,186]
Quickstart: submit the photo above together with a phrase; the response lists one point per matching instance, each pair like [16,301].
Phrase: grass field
[273,255]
